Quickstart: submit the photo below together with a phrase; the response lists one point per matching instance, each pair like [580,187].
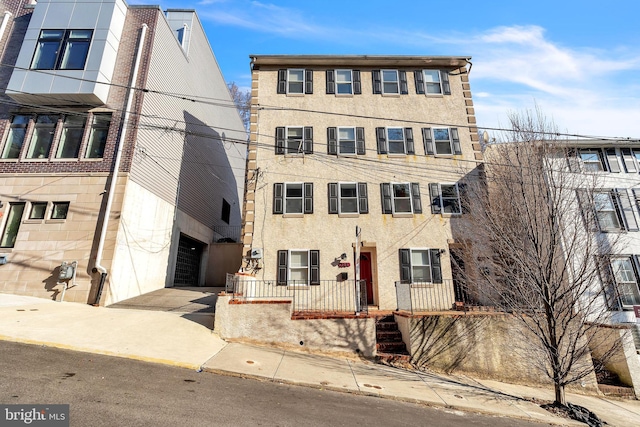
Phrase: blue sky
[579,61]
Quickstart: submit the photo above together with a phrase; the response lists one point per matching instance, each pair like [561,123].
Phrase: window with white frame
[15,137]
[432,82]
[401,198]
[42,137]
[606,212]
[346,140]
[420,265]
[71,138]
[445,198]
[294,140]
[344,82]
[395,140]
[293,198]
[60,210]
[298,267]
[38,210]
[592,160]
[295,81]
[441,141]
[61,50]
[348,198]
[626,277]
[390,83]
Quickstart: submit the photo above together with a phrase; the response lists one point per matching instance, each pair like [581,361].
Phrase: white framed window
[445,198]
[298,267]
[61,50]
[293,198]
[442,141]
[346,140]
[42,137]
[592,160]
[606,212]
[348,198]
[295,81]
[432,82]
[395,140]
[12,225]
[390,82]
[344,82]
[71,138]
[401,198]
[626,279]
[420,265]
[294,140]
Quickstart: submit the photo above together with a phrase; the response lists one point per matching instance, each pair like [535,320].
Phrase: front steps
[390,349]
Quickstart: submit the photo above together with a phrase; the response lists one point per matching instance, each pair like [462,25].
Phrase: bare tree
[537,260]
[242,100]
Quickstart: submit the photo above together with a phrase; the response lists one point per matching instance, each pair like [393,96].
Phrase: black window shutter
[282,267]
[457,149]
[377,83]
[404,86]
[385,190]
[603,161]
[314,265]
[408,137]
[308,140]
[308,197]
[436,268]
[612,160]
[405,265]
[434,195]
[464,197]
[446,87]
[428,141]
[363,200]
[308,81]
[419,78]
[572,160]
[282,81]
[360,147]
[608,282]
[587,209]
[278,199]
[333,197]
[415,198]
[381,135]
[332,141]
[331,82]
[357,85]
[627,210]
[615,196]
[280,140]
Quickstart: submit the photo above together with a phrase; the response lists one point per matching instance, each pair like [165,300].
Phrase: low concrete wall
[625,361]
[270,322]
[491,346]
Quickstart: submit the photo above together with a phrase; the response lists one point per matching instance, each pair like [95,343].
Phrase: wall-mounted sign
[344,264]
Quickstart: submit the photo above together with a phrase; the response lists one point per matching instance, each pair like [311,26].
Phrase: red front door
[365,274]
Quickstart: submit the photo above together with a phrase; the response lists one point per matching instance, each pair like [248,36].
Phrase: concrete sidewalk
[169,338]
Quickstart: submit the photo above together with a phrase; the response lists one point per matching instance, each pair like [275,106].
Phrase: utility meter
[66,270]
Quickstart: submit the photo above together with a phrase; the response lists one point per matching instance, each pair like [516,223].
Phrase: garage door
[188,262]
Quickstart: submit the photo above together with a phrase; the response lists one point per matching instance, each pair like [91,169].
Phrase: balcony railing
[226,234]
[328,297]
[431,297]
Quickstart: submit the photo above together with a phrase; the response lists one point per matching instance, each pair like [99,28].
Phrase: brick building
[112,154]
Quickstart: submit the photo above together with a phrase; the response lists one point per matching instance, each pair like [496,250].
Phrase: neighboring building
[383,143]
[70,116]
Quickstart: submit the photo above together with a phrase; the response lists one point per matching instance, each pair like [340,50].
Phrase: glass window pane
[402,205]
[42,137]
[419,257]
[441,134]
[421,274]
[75,55]
[15,138]
[343,76]
[401,190]
[98,136]
[60,210]
[431,76]
[298,259]
[389,75]
[396,134]
[72,132]
[294,190]
[37,210]
[46,55]
[348,190]
[347,133]
[12,225]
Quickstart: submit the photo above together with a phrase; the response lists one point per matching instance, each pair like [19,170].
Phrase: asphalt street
[111,391]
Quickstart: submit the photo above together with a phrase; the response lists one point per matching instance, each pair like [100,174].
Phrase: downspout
[5,21]
[98,267]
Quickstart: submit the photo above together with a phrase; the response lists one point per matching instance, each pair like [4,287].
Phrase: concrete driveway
[193,303]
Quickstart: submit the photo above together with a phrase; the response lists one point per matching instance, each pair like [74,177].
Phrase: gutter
[98,267]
